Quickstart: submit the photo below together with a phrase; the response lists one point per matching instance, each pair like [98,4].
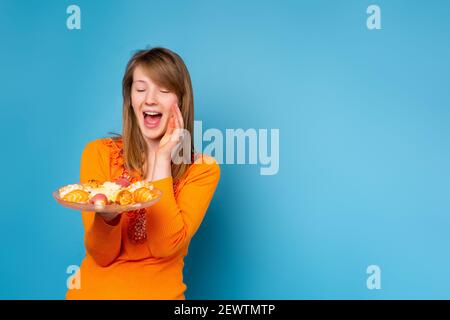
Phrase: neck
[152,146]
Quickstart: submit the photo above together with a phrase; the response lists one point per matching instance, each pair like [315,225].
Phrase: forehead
[141,75]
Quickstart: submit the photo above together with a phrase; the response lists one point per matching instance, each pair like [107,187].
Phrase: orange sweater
[141,257]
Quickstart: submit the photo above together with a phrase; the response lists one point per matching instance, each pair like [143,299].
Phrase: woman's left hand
[173,137]
[169,144]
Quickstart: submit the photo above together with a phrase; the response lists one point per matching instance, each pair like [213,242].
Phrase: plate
[109,208]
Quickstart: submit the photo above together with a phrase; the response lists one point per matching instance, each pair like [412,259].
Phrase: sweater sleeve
[172,222]
[102,241]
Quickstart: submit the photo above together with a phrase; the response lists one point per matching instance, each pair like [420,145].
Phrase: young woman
[139,254]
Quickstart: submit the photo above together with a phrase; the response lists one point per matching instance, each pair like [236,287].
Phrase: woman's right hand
[111,218]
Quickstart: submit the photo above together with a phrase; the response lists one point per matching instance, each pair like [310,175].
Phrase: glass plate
[110,208]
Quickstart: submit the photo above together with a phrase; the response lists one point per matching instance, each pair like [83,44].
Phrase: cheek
[136,101]
[135,107]
[168,102]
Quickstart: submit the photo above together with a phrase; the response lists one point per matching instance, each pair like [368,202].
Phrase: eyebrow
[140,81]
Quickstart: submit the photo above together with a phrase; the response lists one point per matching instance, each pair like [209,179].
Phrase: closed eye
[164,91]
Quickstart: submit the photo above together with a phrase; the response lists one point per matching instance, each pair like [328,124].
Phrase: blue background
[364,140]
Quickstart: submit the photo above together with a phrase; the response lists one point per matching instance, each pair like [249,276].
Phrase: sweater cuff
[103,232]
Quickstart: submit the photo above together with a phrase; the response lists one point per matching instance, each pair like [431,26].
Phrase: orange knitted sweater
[142,256]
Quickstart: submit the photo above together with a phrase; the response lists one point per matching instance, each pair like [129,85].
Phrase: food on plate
[143,194]
[121,192]
[99,199]
[93,183]
[70,187]
[140,184]
[124,197]
[123,182]
[77,195]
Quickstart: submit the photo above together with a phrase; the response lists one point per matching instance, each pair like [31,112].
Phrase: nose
[150,98]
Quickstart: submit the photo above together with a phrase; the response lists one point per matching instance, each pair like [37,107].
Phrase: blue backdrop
[363,115]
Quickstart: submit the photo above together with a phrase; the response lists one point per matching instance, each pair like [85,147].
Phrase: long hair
[167,69]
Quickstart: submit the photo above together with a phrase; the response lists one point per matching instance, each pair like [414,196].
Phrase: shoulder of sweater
[98,147]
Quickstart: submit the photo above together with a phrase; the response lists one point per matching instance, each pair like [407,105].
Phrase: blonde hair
[167,69]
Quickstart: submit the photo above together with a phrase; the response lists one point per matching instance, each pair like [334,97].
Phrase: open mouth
[152,119]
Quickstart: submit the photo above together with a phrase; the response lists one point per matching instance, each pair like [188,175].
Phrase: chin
[153,136]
